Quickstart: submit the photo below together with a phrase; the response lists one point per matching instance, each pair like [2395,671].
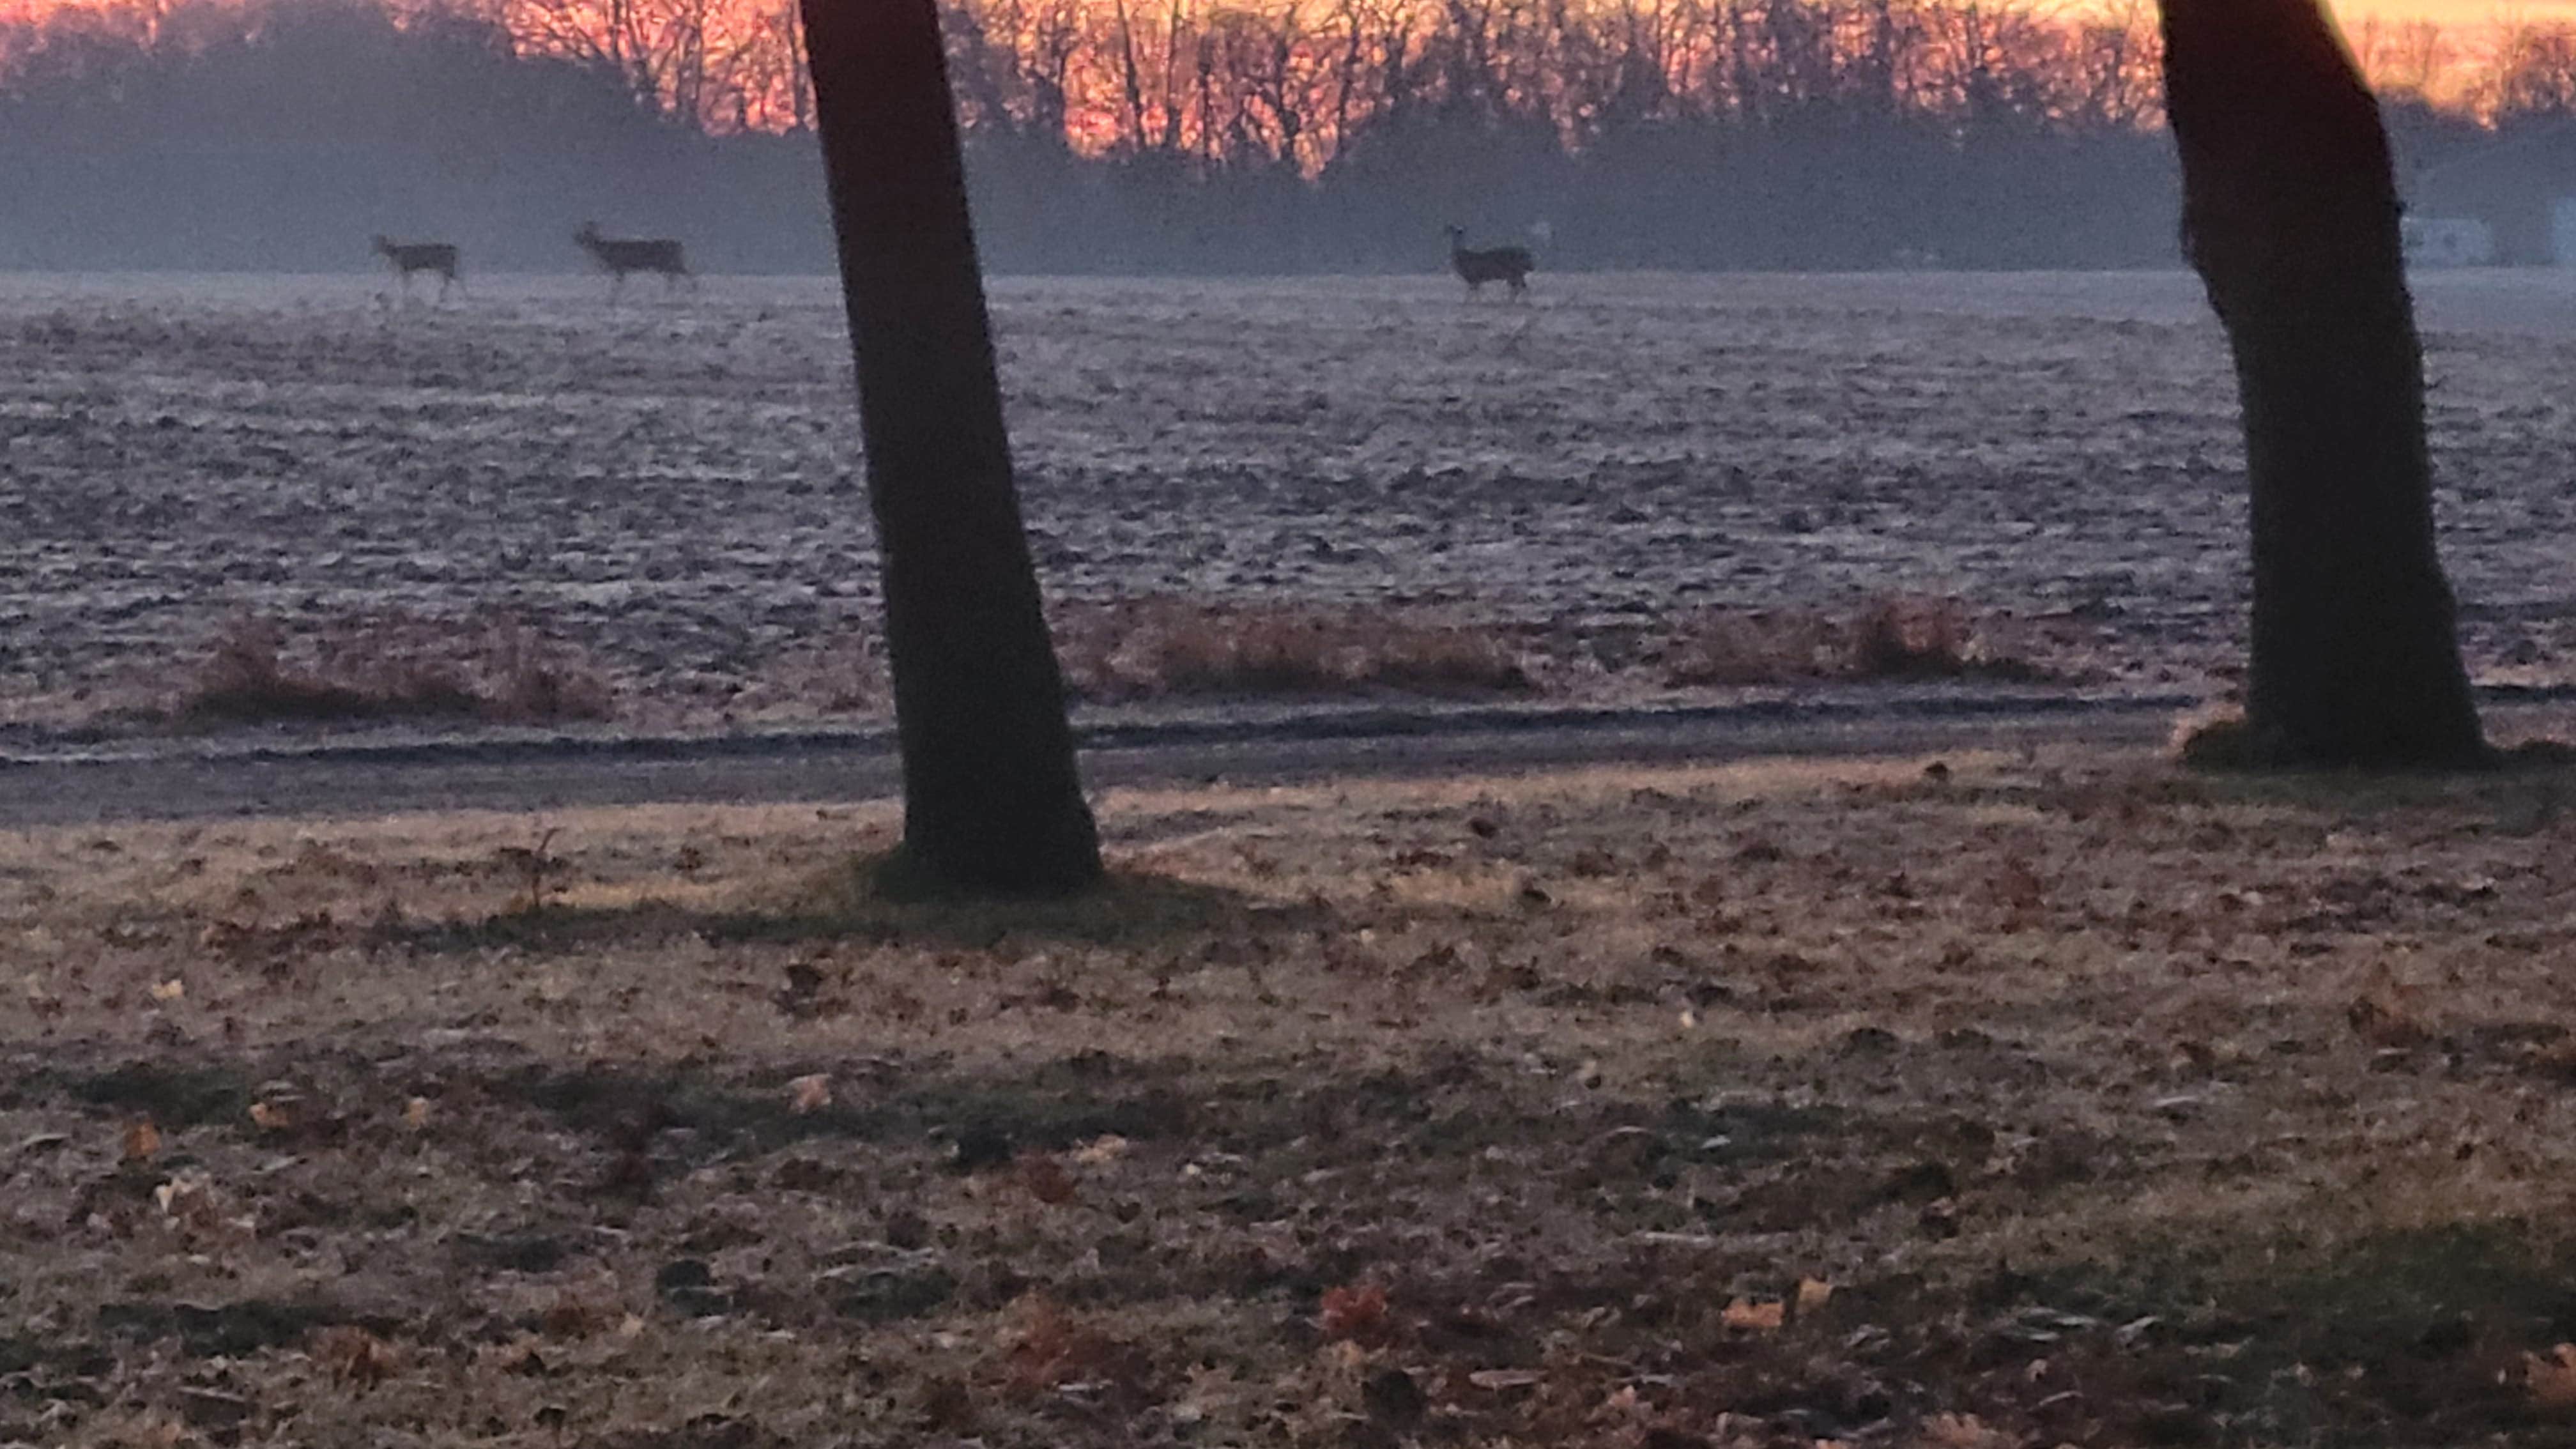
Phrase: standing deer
[620,256]
[410,257]
[1508,265]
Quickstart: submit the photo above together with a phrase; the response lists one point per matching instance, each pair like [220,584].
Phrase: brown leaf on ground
[1813,1293]
[140,1141]
[1754,1317]
[1053,1349]
[2552,1380]
[352,1355]
[1497,1380]
[1965,1431]
[1103,1149]
[188,1201]
[809,1094]
[574,1316]
[1354,1311]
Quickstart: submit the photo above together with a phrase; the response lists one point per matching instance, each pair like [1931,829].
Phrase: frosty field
[667,490]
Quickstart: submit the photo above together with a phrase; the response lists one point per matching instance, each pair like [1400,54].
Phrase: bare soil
[1996,1100]
[661,497]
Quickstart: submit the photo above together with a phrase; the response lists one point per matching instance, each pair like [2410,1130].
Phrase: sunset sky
[2455,11]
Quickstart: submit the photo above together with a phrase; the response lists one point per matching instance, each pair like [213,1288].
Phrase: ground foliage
[1971,1102]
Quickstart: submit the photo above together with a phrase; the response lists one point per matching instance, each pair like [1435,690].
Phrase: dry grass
[492,667]
[1891,637]
[390,667]
[2096,1103]
[1166,646]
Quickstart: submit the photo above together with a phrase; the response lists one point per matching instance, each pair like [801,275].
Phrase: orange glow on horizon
[2445,12]
[2453,12]
[2447,50]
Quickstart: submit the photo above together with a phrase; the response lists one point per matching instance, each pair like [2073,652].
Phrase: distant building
[2519,184]
[2447,241]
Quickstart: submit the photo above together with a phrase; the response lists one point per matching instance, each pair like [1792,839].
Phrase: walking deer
[410,257]
[1508,265]
[618,256]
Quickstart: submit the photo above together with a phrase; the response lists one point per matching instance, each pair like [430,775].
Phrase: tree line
[1143,135]
[1118,137]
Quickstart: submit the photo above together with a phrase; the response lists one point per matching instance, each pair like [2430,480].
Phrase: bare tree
[992,801]
[2290,214]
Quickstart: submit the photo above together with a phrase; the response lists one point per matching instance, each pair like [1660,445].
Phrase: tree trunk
[2290,214]
[992,802]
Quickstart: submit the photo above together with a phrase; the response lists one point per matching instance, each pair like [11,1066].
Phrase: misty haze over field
[282,135]
[1806,135]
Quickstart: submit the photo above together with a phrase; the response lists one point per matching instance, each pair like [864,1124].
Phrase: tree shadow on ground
[2523,784]
[1128,909]
[2413,1335]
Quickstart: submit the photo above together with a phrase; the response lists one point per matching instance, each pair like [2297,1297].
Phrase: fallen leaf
[2552,1380]
[1506,1378]
[1965,1431]
[1355,1312]
[1754,1317]
[352,1355]
[1813,1293]
[274,1116]
[173,989]
[1106,1148]
[573,1316]
[141,1140]
[187,1196]
[416,1113]
[1053,1349]
[809,1094]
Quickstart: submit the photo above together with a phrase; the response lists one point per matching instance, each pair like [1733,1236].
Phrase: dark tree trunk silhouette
[992,801]
[2290,213]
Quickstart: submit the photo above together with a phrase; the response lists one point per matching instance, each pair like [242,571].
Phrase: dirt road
[562,772]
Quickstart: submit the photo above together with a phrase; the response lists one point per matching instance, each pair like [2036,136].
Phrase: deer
[1508,265]
[618,256]
[410,257]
